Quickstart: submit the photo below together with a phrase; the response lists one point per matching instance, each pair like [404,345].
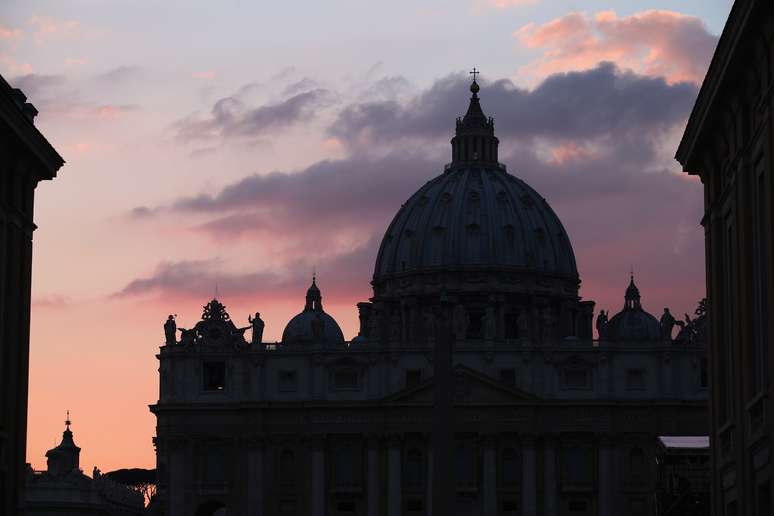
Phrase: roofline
[25,129]
[706,99]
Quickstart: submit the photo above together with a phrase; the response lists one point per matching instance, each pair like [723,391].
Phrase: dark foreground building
[545,421]
[729,144]
[25,159]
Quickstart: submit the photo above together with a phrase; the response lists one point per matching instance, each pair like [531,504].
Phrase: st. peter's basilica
[543,418]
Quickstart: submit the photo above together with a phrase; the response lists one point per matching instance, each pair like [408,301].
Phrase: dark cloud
[230,117]
[343,276]
[574,105]
[120,74]
[590,142]
[36,86]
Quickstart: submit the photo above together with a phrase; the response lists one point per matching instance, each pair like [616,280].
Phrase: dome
[633,323]
[313,325]
[476,216]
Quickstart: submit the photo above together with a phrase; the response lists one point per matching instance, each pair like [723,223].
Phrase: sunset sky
[244,143]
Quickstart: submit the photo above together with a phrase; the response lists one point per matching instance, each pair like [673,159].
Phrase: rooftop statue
[602,325]
[667,324]
[170,330]
[258,325]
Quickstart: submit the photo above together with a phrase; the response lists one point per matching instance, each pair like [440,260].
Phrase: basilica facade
[544,418]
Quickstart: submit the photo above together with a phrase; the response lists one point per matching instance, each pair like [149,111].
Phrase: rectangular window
[413,377]
[347,507]
[287,381]
[577,505]
[287,507]
[214,376]
[214,464]
[508,377]
[635,379]
[576,379]
[345,380]
[414,505]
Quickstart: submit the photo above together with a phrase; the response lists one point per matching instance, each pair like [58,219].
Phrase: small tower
[66,457]
[632,296]
[474,141]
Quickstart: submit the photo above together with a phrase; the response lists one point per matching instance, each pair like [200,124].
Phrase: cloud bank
[592,142]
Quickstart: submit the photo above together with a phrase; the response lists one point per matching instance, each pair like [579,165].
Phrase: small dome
[313,325]
[633,323]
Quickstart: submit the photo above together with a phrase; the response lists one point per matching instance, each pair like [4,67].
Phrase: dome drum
[477,318]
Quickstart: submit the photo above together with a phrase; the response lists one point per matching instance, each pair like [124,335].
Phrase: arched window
[287,467]
[465,466]
[510,466]
[214,464]
[344,467]
[637,461]
[414,476]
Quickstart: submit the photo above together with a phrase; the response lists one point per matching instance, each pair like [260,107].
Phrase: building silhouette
[63,489]
[475,353]
[728,144]
[25,159]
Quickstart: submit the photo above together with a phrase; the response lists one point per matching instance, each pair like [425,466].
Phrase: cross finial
[67,421]
[631,272]
[474,73]
[216,290]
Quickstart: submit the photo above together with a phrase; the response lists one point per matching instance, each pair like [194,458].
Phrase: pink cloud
[505,4]
[45,26]
[52,302]
[204,74]
[667,44]
[9,33]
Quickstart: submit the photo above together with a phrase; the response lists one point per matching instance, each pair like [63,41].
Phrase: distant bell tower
[66,457]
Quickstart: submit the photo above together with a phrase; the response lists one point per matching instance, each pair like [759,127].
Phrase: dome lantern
[474,140]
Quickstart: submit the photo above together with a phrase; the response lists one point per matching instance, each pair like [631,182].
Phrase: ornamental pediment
[469,387]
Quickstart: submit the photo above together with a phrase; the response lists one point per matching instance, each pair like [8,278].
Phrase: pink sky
[206,152]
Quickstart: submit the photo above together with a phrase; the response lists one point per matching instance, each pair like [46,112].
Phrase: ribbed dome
[476,216]
[633,323]
[313,325]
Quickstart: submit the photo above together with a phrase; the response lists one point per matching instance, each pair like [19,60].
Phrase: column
[394,500]
[528,484]
[490,476]
[318,477]
[255,478]
[605,477]
[372,458]
[177,478]
[550,483]
[429,497]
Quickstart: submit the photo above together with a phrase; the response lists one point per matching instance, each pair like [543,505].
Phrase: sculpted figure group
[189,336]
